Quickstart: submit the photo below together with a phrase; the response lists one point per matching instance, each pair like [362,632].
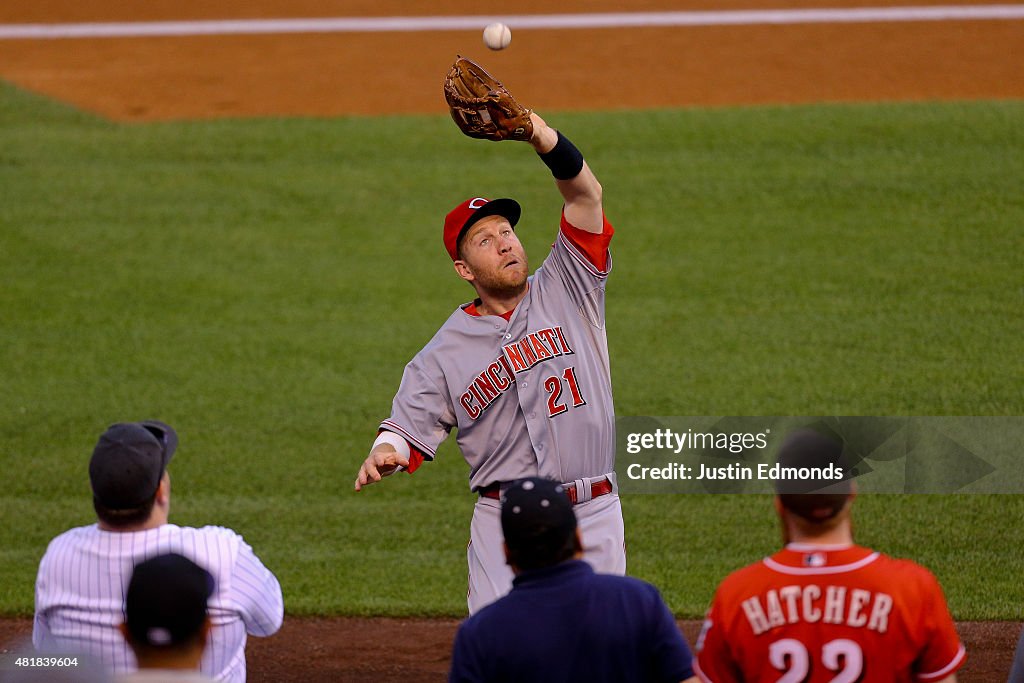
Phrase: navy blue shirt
[567,623]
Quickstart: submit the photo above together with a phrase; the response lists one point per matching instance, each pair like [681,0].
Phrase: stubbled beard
[502,287]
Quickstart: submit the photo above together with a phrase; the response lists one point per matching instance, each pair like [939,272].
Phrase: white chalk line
[142,29]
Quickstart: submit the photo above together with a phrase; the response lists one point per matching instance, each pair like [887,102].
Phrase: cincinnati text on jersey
[516,357]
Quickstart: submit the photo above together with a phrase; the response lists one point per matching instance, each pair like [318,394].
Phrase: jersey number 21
[553,385]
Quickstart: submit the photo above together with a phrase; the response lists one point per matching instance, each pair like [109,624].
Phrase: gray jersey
[531,396]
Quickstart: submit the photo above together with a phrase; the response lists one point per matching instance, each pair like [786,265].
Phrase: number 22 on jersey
[791,657]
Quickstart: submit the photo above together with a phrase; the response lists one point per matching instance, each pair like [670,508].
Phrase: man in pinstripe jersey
[83,577]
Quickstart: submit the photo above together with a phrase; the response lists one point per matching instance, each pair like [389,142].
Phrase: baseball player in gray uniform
[521,372]
[80,588]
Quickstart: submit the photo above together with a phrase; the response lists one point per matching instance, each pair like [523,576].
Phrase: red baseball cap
[459,219]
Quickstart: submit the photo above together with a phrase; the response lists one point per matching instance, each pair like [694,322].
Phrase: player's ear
[206,628]
[780,509]
[463,270]
[163,491]
[784,522]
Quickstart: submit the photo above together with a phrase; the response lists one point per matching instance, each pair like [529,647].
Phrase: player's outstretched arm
[382,461]
[581,190]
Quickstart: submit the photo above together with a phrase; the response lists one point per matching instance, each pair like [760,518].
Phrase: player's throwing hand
[382,461]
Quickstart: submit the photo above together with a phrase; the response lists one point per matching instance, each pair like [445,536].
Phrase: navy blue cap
[536,511]
[166,602]
[128,462]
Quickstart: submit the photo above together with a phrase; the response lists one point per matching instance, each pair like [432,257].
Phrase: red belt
[597,488]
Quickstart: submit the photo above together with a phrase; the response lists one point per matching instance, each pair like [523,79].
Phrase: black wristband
[564,160]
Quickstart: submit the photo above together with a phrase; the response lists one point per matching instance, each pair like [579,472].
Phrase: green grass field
[260,285]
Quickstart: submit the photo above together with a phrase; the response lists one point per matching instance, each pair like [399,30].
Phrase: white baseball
[497,36]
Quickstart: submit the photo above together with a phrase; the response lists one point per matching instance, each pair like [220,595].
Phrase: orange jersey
[813,614]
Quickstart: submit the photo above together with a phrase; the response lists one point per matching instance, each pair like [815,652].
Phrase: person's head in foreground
[166,620]
[815,506]
[539,525]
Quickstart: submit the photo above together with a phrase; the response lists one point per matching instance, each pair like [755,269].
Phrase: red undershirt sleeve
[594,246]
[416,459]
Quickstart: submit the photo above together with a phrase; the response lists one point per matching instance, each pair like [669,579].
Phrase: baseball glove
[481,106]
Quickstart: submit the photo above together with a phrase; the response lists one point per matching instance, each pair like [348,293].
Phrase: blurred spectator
[824,609]
[166,621]
[84,574]
[562,621]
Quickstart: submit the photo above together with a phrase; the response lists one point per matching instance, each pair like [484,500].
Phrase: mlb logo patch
[814,560]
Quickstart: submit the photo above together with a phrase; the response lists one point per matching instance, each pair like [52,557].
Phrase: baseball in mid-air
[497,36]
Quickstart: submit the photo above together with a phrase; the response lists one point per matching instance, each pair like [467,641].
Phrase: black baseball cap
[815,498]
[166,602]
[128,461]
[537,513]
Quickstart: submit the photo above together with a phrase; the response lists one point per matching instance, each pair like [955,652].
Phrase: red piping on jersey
[961,654]
[829,569]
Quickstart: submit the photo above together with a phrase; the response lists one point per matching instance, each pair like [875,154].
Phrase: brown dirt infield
[395,73]
[374,73]
[378,650]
